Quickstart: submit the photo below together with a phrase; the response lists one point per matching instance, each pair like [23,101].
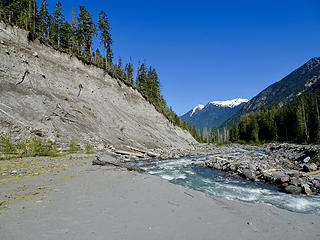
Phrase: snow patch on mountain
[199,107]
[230,103]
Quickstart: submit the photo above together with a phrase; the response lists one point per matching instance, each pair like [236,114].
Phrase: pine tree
[58,19]
[153,86]
[66,35]
[105,36]
[98,58]
[85,31]
[119,71]
[129,72]
[254,129]
[234,133]
[141,80]
[317,120]
[10,10]
[44,20]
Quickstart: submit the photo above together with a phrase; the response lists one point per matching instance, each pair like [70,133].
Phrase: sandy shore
[90,202]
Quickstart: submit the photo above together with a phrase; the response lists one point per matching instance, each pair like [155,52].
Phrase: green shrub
[73,147]
[7,146]
[22,148]
[89,149]
[39,147]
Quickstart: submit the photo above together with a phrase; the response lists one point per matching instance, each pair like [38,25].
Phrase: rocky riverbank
[291,167]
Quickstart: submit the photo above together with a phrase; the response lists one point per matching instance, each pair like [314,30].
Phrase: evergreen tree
[234,133]
[105,36]
[129,72]
[98,58]
[66,36]
[58,19]
[119,71]
[73,43]
[153,86]
[84,32]
[316,120]
[141,80]
[22,13]
[214,134]
[44,20]
[254,129]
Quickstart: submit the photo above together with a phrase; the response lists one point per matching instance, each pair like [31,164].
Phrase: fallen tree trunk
[311,173]
[140,155]
[117,164]
[268,171]
[150,154]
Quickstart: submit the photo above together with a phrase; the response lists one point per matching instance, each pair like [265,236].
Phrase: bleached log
[150,154]
[310,173]
[116,164]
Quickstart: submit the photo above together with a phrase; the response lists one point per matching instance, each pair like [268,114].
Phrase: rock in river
[293,189]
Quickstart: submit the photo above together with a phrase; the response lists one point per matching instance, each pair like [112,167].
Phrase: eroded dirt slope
[40,95]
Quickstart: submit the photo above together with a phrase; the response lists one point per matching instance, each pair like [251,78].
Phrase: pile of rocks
[284,165]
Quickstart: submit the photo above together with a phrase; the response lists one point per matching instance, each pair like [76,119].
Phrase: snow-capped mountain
[230,103]
[199,107]
[213,114]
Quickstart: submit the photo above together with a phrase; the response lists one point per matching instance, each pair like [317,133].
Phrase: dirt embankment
[54,95]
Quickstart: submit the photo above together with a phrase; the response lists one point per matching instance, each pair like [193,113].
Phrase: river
[183,172]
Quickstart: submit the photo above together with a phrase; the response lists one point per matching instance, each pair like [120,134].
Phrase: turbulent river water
[183,172]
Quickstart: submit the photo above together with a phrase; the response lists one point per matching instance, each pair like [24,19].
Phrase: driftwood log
[116,164]
[150,154]
[140,155]
[268,171]
[311,173]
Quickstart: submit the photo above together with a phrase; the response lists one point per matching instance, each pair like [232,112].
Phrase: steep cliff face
[54,95]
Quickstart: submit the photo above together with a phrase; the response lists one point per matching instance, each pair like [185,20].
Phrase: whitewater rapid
[216,183]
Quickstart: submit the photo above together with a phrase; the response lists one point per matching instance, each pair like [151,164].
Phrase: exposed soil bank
[40,96]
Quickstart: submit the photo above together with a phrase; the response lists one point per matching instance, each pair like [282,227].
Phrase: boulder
[306,189]
[295,174]
[249,174]
[268,177]
[310,167]
[295,181]
[284,178]
[306,160]
[293,189]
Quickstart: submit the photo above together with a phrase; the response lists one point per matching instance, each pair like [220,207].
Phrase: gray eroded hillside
[40,95]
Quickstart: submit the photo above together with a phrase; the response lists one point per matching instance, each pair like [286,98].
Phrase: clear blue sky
[211,50]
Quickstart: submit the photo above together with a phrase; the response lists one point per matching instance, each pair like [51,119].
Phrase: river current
[183,172]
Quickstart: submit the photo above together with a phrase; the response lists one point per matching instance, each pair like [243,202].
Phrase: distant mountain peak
[213,113]
[199,107]
[230,103]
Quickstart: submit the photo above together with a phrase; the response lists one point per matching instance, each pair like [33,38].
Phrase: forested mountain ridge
[304,80]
